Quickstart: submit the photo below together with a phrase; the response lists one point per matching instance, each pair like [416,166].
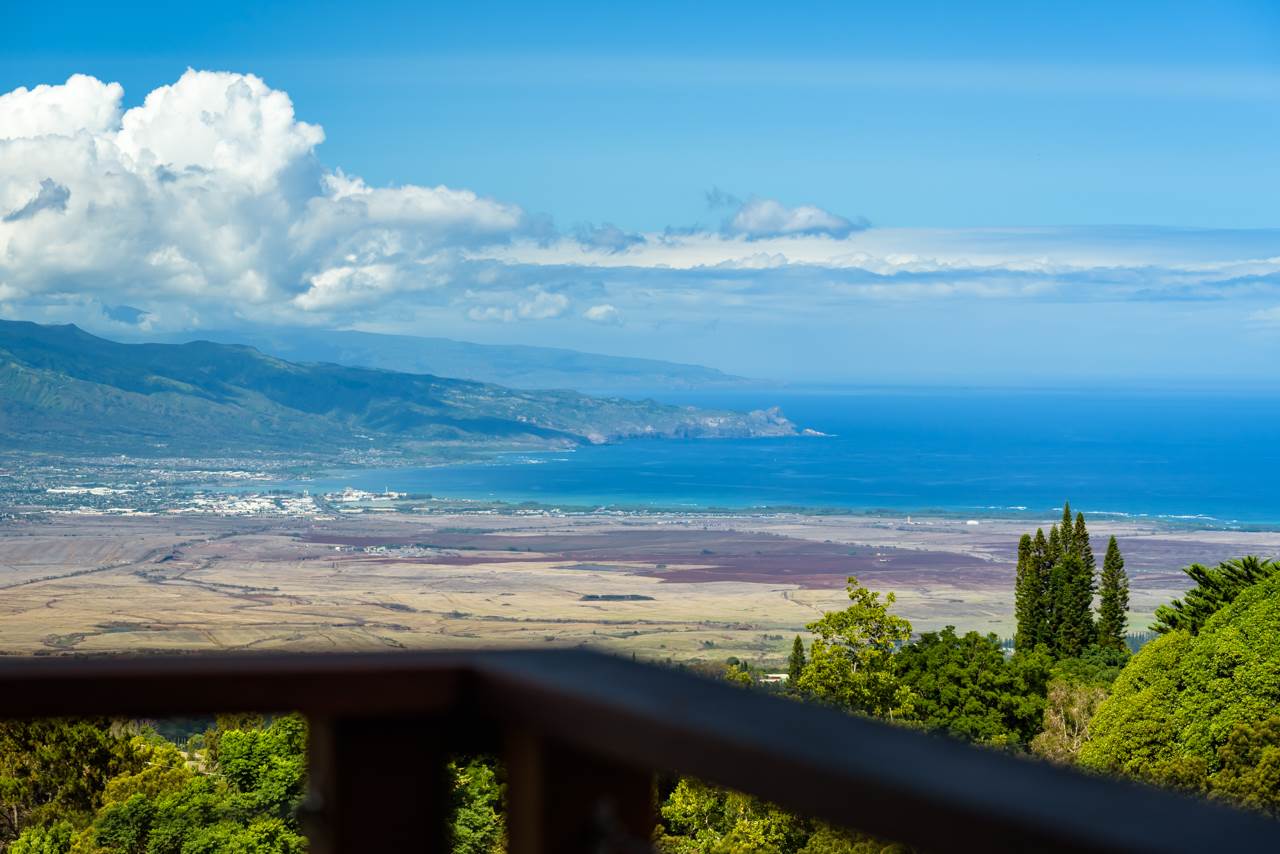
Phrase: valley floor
[656,585]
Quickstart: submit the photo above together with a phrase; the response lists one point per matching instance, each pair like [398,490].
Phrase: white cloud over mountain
[207,205]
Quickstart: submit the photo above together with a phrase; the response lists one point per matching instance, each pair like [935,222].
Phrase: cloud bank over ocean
[207,205]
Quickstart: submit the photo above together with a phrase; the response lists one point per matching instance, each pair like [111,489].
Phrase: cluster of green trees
[102,787]
[1195,708]
[1054,590]
[105,787]
[697,819]
[862,660]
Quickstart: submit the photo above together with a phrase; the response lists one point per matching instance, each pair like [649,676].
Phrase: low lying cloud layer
[208,206]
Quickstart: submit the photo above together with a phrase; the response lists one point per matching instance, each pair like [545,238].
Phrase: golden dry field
[657,586]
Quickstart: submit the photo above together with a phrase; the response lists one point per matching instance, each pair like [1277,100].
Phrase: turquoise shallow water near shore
[1211,457]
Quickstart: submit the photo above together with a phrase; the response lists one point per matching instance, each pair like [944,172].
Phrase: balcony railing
[582,735]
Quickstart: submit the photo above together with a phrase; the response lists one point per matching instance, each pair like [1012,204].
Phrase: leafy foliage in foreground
[135,793]
[1198,711]
[97,787]
[850,663]
[965,686]
[479,820]
[701,819]
[51,770]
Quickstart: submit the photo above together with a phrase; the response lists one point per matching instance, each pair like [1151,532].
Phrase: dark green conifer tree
[795,664]
[1113,606]
[1028,599]
[1080,543]
[1031,592]
[1084,584]
[1052,589]
[1040,553]
[1040,557]
[1071,586]
[1066,533]
[1054,551]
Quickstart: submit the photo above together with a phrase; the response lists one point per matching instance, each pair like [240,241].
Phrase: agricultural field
[654,585]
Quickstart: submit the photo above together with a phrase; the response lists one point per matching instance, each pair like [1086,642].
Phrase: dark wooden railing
[582,735]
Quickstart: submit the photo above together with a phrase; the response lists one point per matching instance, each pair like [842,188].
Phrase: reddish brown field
[760,558]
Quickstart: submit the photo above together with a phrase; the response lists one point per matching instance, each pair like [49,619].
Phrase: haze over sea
[1211,458]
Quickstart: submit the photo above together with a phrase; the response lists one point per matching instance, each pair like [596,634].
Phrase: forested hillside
[60,387]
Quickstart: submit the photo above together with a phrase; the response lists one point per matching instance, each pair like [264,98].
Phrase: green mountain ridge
[515,365]
[62,388]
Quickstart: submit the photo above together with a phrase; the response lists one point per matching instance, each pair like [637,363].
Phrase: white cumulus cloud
[543,306]
[506,307]
[762,218]
[207,204]
[210,192]
[603,313]
[81,105]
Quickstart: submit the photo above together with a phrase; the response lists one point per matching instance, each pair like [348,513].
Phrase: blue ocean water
[1178,455]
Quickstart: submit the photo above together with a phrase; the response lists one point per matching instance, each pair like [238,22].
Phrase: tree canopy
[1113,607]
[1199,710]
[1215,588]
[1054,586]
[964,685]
[850,662]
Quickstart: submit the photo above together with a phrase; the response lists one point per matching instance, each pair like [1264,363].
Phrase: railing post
[377,784]
[564,801]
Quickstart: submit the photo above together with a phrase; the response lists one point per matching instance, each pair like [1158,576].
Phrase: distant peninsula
[63,389]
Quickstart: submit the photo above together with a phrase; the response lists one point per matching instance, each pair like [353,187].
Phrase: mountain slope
[61,385]
[517,366]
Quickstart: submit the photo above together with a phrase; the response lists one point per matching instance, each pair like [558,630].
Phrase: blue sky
[942,126]
[906,113]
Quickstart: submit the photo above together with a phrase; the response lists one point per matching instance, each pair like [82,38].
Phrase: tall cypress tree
[1066,533]
[1113,606]
[1055,546]
[1086,580]
[1053,587]
[1071,584]
[795,665]
[1028,600]
[1080,543]
[1043,564]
